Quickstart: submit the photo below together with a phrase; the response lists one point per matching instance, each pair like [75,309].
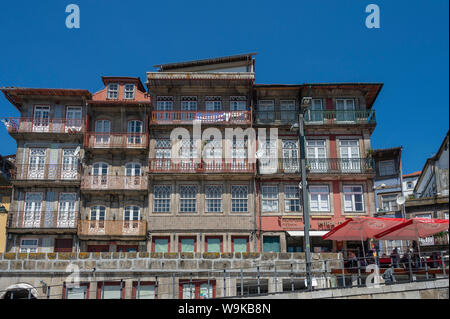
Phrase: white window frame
[188,203]
[128,94]
[288,199]
[112,94]
[162,204]
[353,200]
[316,190]
[212,106]
[392,207]
[210,198]
[386,168]
[266,110]
[269,198]
[239,204]
[29,248]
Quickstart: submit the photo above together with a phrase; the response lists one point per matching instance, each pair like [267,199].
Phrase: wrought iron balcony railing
[159,165]
[44,125]
[117,140]
[340,117]
[113,182]
[206,117]
[38,219]
[114,228]
[281,117]
[339,165]
[53,172]
[279,166]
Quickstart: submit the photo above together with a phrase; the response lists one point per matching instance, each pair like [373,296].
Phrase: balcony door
[36,168]
[239,154]
[102,132]
[41,119]
[290,156]
[131,219]
[135,129]
[73,119]
[69,164]
[66,210]
[100,175]
[350,157]
[132,175]
[316,154]
[315,113]
[345,110]
[163,154]
[97,219]
[33,206]
[212,155]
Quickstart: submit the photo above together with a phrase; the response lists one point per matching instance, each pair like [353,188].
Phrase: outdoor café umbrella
[413,229]
[361,228]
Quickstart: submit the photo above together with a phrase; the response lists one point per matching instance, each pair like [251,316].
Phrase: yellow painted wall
[4,201]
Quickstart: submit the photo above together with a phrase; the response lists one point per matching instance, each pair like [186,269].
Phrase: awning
[414,228]
[312,233]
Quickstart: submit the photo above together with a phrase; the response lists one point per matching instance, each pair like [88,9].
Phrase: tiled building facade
[96,172]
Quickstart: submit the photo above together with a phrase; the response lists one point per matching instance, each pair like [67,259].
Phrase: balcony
[332,117]
[278,117]
[212,166]
[61,173]
[112,229]
[205,117]
[280,166]
[339,165]
[43,222]
[117,140]
[44,125]
[113,182]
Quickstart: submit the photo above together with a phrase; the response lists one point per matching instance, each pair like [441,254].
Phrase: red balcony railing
[36,219]
[117,140]
[212,117]
[110,182]
[118,228]
[190,166]
[44,125]
[31,172]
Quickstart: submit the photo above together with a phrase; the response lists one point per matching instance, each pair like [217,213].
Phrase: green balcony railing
[340,117]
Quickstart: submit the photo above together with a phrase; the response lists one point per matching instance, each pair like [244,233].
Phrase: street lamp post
[306,102]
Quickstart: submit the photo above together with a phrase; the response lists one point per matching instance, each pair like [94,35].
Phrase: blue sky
[297,42]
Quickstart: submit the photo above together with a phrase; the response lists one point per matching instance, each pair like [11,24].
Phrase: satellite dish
[77,151]
[401,200]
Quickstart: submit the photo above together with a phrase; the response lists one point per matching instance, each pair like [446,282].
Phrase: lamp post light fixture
[305,104]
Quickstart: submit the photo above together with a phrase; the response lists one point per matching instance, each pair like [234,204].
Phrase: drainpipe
[256,207]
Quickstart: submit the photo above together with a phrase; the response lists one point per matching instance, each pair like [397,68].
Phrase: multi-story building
[409,183]
[106,172]
[6,165]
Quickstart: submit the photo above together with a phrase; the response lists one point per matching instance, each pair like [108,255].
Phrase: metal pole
[410,268]
[292,278]
[29,293]
[343,271]
[443,263]
[190,286]
[359,272]
[121,288]
[426,270]
[103,289]
[305,199]
[242,282]
[275,279]
[139,288]
[259,288]
[156,287]
[48,292]
[224,283]
[325,268]
[173,286]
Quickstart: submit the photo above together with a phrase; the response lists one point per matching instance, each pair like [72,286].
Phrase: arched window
[97,217]
[99,175]
[131,217]
[133,169]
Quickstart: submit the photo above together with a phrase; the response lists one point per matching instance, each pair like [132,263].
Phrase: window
[110,290]
[188,199]
[161,244]
[135,132]
[423,216]
[213,244]
[100,175]
[213,103]
[66,210]
[102,131]
[269,159]
[350,161]
[315,113]
[238,103]
[446,215]
[389,203]
[292,198]
[410,185]
[131,216]
[36,168]
[33,205]
[164,103]
[41,118]
[73,118]
[97,218]
[266,110]
[213,195]
[239,199]
[240,244]
[353,199]
[198,289]
[316,155]
[271,244]
[386,168]
[290,156]
[319,198]
[69,164]
[345,110]
[189,103]
[28,245]
[270,199]
[113,91]
[187,245]
[128,92]
[63,245]
[161,202]
[144,290]
[288,110]
[81,292]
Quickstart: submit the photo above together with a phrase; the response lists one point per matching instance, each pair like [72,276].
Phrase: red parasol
[413,229]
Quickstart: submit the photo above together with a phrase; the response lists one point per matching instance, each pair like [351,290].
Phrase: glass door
[345,110]
[350,158]
[135,132]
[290,156]
[41,118]
[316,155]
[73,119]
[66,210]
[33,204]
[102,132]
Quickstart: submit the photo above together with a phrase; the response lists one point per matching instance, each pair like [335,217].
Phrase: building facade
[181,164]
[6,166]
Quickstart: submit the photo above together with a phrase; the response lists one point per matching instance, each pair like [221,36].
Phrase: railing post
[242,282]
[292,278]
[443,264]
[426,270]
[343,271]
[173,286]
[224,283]
[410,268]
[48,292]
[156,287]
[325,269]
[190,286]
[259,287]
[121,288]
[359,272]
[275,278]
[103,289]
